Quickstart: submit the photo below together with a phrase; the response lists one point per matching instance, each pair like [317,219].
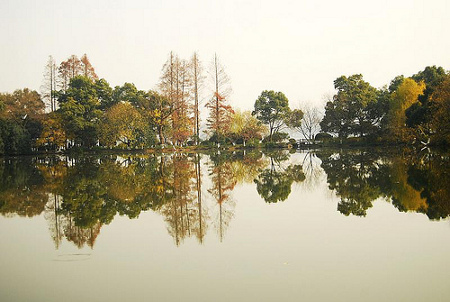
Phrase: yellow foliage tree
[53,134]
[403,97]
[123,124]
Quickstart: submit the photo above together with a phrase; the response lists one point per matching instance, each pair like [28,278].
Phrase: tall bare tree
[88,69]
[310,124]
[181,121]
[49,86]
[197,83]
[219,110]
[175,88]
[69,69]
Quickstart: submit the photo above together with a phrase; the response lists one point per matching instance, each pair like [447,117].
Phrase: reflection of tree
[404,196]
[85,196]
[201,226]
[54,219]
[81,236]
[84,207]
[312,170]
[413,183]
[274,183]
[179,210]
[21,188]
[80,195]
[130,183]
[431,177]
[357,177]
[223,183]
[246,166]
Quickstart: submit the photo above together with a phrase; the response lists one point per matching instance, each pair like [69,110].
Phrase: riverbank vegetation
[77,110]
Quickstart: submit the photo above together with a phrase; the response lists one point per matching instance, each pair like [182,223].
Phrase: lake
[326,225]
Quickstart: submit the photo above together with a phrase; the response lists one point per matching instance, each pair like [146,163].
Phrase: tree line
[77,109]
[413,109]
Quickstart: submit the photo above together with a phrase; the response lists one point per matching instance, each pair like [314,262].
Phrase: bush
[322,136]
[277,137]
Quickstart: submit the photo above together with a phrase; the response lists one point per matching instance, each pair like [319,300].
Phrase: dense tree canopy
[403,97]
[80,108]
[272,109]
[420,113]
[123,123]
[351,112]
[21,115]
[440,124]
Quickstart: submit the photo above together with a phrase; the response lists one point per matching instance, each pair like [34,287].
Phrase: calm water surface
[318,226]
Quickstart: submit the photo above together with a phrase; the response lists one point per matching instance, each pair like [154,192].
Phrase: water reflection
[416,182]
[274,183]
[194,192]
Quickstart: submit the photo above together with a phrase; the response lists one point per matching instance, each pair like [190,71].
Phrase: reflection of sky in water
[301,248]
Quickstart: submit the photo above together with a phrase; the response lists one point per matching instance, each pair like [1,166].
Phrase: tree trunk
[161,135]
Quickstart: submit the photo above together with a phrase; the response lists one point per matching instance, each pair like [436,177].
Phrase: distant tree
[336,120]
[310,123]
[244,126]
[440,124]
[21,116]
[104,93]
[402,98]
[80,108]
[219,111]
[395,83]
[152,107]
[53,135]
[158,110]
[167,84]
[174,87]
[432,76]
[350,111]
[181,120]
[23,104]
[196,70]
[126,93]
[294,119]
[87,68]
[68,70]
[272,109]
[26,108]
[420,114]
[48,88]
[123,123]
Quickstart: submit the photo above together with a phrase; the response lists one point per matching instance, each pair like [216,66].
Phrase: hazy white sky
[297,47]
